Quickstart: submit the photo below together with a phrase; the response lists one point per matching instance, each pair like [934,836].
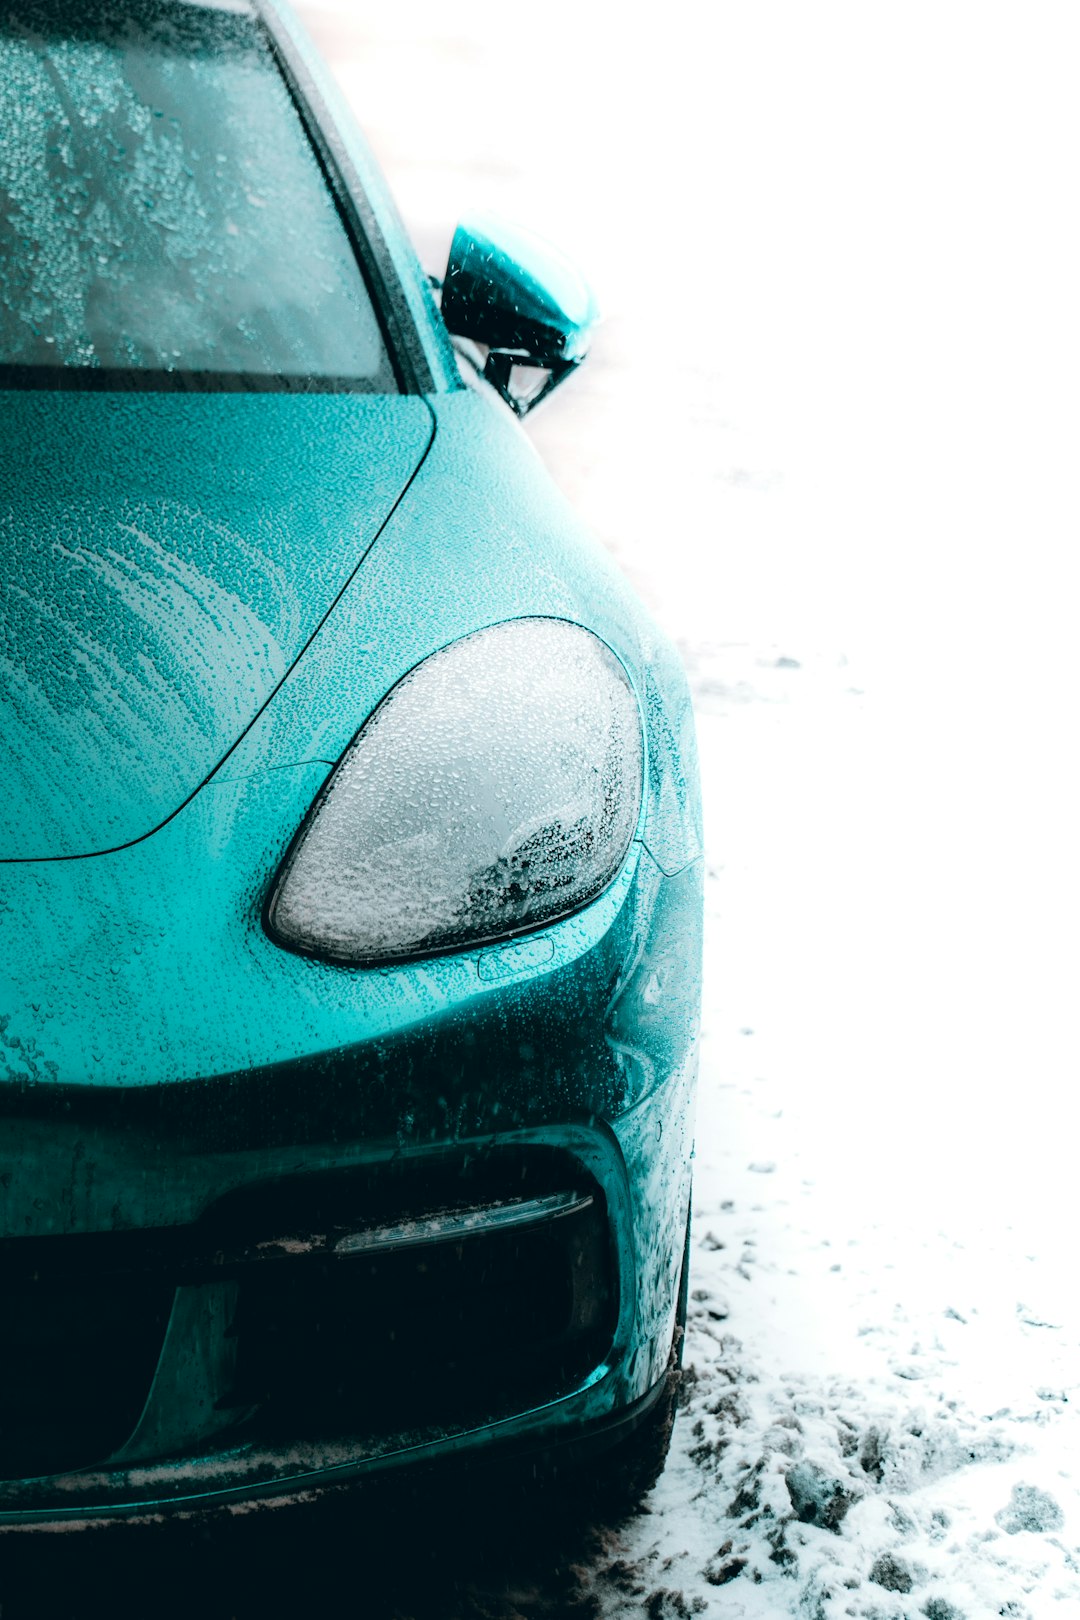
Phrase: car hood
[166,558]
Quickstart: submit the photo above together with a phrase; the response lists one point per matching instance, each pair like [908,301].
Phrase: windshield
[164,221]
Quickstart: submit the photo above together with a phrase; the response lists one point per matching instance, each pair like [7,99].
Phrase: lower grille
[76,1362]
[446,1334]
[431,1293]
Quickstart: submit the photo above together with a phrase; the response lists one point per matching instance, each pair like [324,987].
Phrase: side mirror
[526,304]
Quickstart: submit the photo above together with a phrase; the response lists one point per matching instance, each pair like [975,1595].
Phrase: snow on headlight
[496,787]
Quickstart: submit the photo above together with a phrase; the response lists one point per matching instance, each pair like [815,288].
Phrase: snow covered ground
[830,430]
[884,1319]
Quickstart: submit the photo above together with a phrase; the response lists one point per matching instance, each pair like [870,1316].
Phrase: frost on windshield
[161,210]
[498,786]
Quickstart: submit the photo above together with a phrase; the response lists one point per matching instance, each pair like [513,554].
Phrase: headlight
[496,787]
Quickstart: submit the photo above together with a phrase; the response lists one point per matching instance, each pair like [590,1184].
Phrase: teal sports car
[350,897]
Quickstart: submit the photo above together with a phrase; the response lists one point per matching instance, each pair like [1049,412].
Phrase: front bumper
[208,1435]
[571,1052]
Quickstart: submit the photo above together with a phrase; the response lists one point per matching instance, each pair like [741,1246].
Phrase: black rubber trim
[157,380]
